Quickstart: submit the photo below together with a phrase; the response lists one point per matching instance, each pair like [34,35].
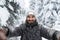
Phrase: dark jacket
[32,33]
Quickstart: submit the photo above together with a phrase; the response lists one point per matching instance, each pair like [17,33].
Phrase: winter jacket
[35,33]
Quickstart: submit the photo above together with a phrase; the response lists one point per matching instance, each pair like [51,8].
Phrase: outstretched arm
[49,33]
[17,31]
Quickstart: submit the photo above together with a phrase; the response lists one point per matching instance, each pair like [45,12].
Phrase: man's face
[30,18]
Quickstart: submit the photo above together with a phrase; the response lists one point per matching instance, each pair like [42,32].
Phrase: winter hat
[31,13]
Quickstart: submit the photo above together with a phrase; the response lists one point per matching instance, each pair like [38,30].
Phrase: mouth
[30,21]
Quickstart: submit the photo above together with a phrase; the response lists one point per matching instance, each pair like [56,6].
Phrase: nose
[30,18]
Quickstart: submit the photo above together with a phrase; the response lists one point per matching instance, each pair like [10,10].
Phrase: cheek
[34,19]
[27,19]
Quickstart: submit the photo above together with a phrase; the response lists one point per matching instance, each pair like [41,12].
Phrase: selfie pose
[32,30]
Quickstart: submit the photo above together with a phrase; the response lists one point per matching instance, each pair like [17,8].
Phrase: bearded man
[31,30]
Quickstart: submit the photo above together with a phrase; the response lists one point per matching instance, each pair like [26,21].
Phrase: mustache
[30,20]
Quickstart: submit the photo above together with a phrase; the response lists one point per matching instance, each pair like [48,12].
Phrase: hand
[3,30]
[2,34]
[59,38]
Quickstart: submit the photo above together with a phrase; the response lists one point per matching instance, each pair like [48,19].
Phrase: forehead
[30,15]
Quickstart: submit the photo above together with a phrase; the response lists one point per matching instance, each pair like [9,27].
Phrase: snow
[4,15]
[45,10]
[2,2]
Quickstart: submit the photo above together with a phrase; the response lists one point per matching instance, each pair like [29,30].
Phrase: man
[31,30]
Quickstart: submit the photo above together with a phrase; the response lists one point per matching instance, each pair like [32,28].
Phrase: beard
[35,23]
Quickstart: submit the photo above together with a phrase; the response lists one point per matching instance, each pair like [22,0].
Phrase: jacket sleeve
[56,35]
[46,32]
[17,32]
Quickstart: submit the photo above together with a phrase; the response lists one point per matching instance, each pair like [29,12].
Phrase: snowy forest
[13,13]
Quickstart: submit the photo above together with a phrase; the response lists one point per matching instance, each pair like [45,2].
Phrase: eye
[28,16]
[33,16]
